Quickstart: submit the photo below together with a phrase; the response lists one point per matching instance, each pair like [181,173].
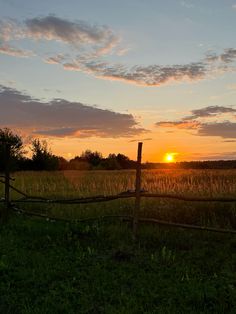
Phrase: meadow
[192,183]
[95,267]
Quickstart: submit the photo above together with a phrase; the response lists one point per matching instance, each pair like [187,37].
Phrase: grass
[55,267]
[71,184]
[96,268]
[87,183]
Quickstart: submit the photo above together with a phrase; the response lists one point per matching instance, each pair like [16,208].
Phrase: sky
[103,75]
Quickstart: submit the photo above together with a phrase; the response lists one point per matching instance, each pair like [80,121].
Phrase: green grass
[55,267]
[52,267]
[71,184]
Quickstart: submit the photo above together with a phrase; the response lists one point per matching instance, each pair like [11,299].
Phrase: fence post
[137,191]
[7,180]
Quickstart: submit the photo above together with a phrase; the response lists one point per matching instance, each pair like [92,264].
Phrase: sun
[169,157]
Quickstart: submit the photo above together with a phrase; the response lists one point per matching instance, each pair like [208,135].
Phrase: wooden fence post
[7,180]
[137,191]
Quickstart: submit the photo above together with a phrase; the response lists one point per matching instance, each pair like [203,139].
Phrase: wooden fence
[137,194]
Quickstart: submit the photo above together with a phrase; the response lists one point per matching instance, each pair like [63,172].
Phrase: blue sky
[149,63]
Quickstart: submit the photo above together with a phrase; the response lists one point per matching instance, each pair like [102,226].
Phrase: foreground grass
[51,267]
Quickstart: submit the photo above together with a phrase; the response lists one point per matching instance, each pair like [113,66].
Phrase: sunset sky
[103,75]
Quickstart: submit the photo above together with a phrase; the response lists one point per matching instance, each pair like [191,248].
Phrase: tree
[42,158]
[79,163]
[93,158]
[125,162]
[7,137]
[63,164]
[111,163]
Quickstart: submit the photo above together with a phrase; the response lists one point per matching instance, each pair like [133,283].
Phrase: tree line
[43,159]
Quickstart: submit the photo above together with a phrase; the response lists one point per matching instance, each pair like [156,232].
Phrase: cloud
[15,52]
[189,125]
[55,59]
[73,33]
[225,129]
[210,111]
[156,75]
[187,4]
[153,75]
[94,40]
[229,141]
[197,122]
[61,118]
[229,55]
[89,44]
[214,156]
[234,6]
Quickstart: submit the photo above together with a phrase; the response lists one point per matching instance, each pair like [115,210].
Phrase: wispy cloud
[79,34]
[61,118]
[153,75]
[187,4]
[90,44]
[229,141]
[55,59]
[214,156]
[74,33]
[225,129]
[210,111]
[189,125]
[15,52]
[156,75]
[227,56]
[199,122]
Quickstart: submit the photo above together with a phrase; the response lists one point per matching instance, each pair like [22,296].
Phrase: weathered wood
[137,191]
[127,218]
[5,212]
[124,195]
[40,215]
[190,198]
[185,226]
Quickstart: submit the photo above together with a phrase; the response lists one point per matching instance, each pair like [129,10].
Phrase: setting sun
[169,157]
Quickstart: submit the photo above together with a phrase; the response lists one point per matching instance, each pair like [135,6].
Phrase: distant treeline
[43,159]
[89,160]
[206,164]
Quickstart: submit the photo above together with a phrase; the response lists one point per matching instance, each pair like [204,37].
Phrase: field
[95,267]
[71,184]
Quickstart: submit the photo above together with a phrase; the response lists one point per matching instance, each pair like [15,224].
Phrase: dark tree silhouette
[93,158]
[42,158]
[16,148]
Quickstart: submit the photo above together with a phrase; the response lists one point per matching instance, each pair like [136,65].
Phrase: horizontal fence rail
[138,194]
[103,198]
[106,198]
[122,195]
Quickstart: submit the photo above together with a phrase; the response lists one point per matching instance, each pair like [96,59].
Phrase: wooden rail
[138,194]
[123,195]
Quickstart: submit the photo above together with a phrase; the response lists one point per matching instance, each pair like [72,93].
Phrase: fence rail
[123,195]
[138,194]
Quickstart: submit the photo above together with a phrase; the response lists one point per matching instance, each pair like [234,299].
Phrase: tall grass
[71,184]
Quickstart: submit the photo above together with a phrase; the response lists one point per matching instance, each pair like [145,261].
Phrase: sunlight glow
[169,157]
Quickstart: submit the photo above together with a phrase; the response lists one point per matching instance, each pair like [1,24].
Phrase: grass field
[55,267]
[71,184]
